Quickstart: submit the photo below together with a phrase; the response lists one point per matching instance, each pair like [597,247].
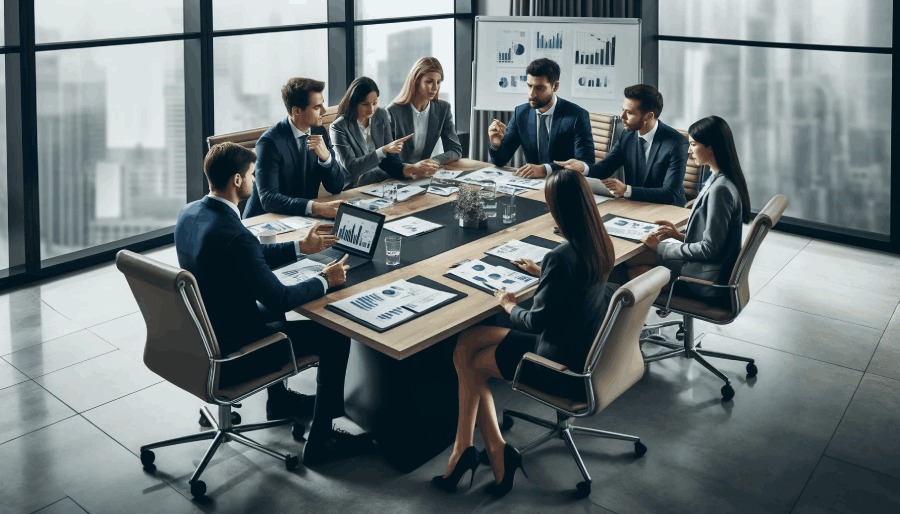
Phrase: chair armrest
[257,345]
[690,204]
[537,359]
[693,281]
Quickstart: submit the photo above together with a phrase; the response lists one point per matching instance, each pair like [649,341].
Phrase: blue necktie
[544,139]
[302,146]
[642,161]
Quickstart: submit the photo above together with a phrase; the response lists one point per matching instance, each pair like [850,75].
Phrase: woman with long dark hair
[362,137]
[569,307]
[709,247]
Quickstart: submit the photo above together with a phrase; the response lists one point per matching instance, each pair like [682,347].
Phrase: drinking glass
[392,250]
[390,192]
[509,214]
[489,194]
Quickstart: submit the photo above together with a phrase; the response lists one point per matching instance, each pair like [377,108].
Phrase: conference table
[401,384]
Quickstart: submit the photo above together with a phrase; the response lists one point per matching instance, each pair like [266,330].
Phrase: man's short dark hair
[224,161]
[544,67]
[296,92]
[650,99]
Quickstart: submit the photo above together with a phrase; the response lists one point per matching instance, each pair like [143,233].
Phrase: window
[111,143]
[248,87]
[4,193]
[77,20]
[376,9]
[240,14]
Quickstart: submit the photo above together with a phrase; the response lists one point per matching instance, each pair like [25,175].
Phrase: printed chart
[356,232]
[595,49]
[594,73]
[511,80]
[549,44]
[511,47]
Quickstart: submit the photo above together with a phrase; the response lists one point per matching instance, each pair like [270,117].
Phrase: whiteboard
[608,52]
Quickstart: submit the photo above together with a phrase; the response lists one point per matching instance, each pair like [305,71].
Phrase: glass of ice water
[392,250]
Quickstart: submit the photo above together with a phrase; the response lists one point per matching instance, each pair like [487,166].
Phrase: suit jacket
[353,154]
[570,136]
[663,180]
[233,271]
[712,239]
[565,314]
[285,182]
[440,125]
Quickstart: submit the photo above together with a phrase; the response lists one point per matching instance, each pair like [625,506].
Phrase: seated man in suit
[295,156]
[653,153]
[234,272]
[547,128]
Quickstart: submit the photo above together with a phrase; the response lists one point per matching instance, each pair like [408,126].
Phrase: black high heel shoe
[512,462]
[467,461]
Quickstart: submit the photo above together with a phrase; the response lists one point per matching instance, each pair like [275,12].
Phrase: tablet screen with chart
[357,229]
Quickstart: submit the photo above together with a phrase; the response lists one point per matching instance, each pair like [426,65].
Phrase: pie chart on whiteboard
[582,81]
[504,82]
[518,49]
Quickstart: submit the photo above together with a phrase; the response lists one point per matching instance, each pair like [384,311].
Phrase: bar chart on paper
[598,49]
[511,47]
[594,81]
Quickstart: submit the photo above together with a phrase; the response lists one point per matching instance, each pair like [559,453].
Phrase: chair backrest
[765,220]
[248,138]
[180,339]
[615,361]
[693,175]
[602,129]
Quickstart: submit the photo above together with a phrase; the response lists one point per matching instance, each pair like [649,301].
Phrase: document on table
[628,228]
[412,226]
[282,225]
[372,205]
[530,183]
[298,272]
[386,306]
[511,190]
[442,190]
[447,174]
[404,191]
[515,250]
[600,199]
[493,277]
[489,173]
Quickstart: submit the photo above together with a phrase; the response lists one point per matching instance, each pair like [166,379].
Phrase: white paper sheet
[530,183]
[283,225]
[631,229]
[371,204]
[385,306]
[404,191]
[489,173]
[515,250]
[411,226]
[494,277]
[511,190]
[298,272]
[447,174]
[442,190]
[600,199]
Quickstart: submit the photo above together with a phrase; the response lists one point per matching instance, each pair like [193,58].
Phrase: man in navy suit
[653,153]
[547,128]
[234,272]
[295,157]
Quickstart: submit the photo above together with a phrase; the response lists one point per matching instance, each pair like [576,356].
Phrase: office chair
[613,365]
[181,347]
[603,130]
[739,289]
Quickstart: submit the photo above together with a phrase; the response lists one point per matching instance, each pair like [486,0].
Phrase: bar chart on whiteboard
[594,72]
[511,48]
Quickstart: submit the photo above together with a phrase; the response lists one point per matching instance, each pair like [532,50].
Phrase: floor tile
[123,332]
[813,263]
[75,459]
[9,375]
[90,297]
[59,353]
[869,433]
[99,380]
[852,253]
[830,300]
[886,361]
[837,487]
[26,321]
[64,506]
[800,333]
[26,407]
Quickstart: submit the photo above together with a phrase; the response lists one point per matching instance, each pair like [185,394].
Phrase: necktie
[544,138]
[302,146]
[642,160]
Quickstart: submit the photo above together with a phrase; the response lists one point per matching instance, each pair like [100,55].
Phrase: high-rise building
[404,49]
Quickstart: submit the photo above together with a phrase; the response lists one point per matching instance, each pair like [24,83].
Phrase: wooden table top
[416,335]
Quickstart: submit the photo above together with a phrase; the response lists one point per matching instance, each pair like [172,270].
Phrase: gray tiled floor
[816,431]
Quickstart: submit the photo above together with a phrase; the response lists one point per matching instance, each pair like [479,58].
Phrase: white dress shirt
[297,251]
[648,137]
[420,120]
[367,135]
[297,134]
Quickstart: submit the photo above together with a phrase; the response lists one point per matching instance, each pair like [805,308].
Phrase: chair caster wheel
[584,489]
[235,418]
[507,422]
[639,448]
[752,370]
[297,431]
[291,463]
[198,489]
[727,392]
[147,458]
[679,334]
[203,422]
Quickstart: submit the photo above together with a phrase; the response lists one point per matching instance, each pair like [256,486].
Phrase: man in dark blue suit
[654,154]
[234,272]
[547,128]
[295,157]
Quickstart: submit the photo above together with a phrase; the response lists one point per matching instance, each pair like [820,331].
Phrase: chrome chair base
[691,350]
[223,431]
[563,429]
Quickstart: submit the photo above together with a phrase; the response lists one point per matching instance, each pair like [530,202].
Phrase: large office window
[811,123]
[76,20]
[378,9]
[241,14]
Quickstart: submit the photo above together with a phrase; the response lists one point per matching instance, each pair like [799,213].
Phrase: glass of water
[390,192]
[392,250]
[509,213]
[489,194]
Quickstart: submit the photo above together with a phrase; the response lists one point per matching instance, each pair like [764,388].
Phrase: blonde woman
[417,111]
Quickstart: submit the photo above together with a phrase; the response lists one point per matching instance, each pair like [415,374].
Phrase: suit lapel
[433,130]
[699,203]
[358,134]
[531,140]
[558,115]
[654,148]
[291,143]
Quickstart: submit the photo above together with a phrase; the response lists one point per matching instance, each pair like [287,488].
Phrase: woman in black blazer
[569,307]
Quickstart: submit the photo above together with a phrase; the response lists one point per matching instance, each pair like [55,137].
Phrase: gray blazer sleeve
[352,164]
[452,146]
[718,209]
[555,284]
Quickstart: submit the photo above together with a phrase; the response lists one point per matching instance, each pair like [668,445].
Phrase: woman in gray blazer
[417,111]
[568,309]
[709,247]
[362,138]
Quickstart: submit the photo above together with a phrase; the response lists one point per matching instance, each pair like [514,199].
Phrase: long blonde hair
[420,68]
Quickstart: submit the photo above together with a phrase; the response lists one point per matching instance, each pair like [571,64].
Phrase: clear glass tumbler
[489,194]
[509,213]
[392,250]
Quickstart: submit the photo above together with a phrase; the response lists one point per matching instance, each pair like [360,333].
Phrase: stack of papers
[493,277]
[442,190]
[283,225]
[411,226]
[404,191]
[511,190]
[516,250]
[298,272]
[372,205]
[447,174]
[489,173]
[628,228]
[388,305]
[530,183]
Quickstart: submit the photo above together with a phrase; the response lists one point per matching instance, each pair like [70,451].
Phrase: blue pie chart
[478,267]
[519,49]
[494,276]
[388,292]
